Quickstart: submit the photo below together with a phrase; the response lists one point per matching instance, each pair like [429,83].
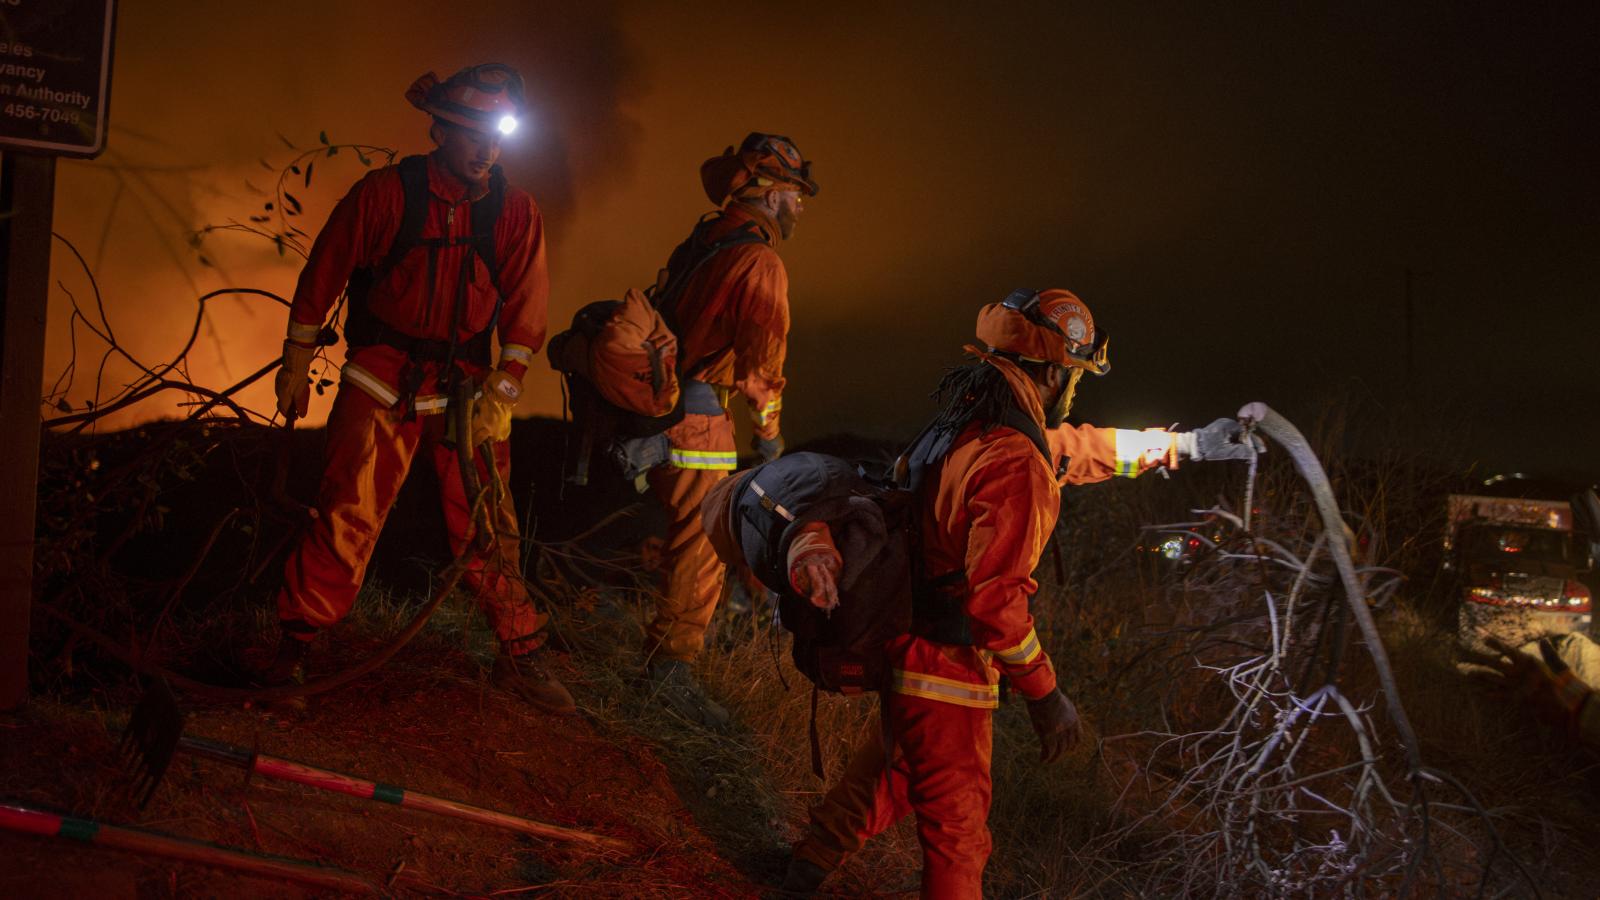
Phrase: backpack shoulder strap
[689,257]
[1016,420]
[485,215]
[414,185]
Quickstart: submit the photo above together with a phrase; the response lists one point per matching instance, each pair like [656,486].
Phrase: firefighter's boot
[673,684]
[803,878]
[527,677]
[288,667]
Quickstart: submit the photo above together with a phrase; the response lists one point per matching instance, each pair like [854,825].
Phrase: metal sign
[55,75]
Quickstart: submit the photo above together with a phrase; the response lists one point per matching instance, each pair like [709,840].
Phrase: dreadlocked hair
[975,392]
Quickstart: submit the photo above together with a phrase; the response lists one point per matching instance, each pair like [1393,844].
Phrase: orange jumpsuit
[372,439]
[733,322]
[989,516]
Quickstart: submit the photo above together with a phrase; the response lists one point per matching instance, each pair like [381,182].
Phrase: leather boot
[527,677]
[674,684]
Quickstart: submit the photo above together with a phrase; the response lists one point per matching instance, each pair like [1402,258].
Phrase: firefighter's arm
[814,564]
[760,340]
[524,282]
[1092,454]
[1010,502]
[353,236]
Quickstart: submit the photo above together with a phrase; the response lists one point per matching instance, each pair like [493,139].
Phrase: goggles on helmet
[1093,354]
[782,150]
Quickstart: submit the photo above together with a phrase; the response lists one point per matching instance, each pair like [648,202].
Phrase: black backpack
[884,591]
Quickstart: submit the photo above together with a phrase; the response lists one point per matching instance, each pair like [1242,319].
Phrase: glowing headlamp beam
[508,124]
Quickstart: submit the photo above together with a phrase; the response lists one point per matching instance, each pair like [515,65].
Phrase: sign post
[55,87]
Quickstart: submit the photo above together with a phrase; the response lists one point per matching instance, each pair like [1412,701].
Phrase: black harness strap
[687,259]
[363,328]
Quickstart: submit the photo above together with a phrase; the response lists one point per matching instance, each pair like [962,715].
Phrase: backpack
[884,590]
[620,362]
[362,328]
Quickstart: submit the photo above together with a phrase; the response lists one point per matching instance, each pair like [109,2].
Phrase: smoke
[1237,192]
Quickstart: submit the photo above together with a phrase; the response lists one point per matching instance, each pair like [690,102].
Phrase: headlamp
[508,124]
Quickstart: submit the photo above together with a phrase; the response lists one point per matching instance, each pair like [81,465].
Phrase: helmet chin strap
[1057,413]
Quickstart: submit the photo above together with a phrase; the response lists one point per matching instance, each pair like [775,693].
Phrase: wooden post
[27,196]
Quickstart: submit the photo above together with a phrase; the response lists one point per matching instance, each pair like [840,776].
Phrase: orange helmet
[763,163]
[1051,326]
[486,97]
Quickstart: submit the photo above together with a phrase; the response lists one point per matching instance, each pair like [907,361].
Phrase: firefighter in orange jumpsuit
[987,514]
[439,256]
[732,322]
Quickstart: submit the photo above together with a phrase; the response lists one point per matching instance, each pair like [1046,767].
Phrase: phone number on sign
[42,114]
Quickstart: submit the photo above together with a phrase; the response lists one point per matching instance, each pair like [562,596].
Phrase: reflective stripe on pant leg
[716,460]
[368,454]
[867,800]
[944,749]
[694,574]
[495,576]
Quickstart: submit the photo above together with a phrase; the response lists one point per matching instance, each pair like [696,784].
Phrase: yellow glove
[293,381]
[491,417]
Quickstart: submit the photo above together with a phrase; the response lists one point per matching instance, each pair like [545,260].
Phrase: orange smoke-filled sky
[1237,190]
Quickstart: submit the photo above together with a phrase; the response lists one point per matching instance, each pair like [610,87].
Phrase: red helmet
[762,164]
[1046,326]
[486,97]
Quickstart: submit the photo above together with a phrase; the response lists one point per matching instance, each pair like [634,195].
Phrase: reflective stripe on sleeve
[703,459]
[1023,653]
[1133,446]
[516,352]
[945,690]
[770,503]
[765,413]
[302,333]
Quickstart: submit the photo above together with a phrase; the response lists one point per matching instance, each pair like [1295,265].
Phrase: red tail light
[1575,597]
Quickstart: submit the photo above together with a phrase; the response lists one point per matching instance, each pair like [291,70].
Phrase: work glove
[815,577]
[768,449]
[293,382]
[491,415]
[1222,439]
[1546,685]
[1055,721]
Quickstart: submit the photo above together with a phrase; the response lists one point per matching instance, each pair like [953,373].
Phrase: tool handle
[311,776]
[136,840]
[223,753]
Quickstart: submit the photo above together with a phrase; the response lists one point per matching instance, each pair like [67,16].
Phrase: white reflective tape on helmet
[770,503]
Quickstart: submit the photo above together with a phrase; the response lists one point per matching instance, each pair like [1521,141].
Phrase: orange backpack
[624,349]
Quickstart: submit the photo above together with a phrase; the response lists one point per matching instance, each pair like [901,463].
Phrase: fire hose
[1261,417]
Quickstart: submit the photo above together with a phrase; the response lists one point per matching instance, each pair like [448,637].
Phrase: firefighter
[439,256]
[986,514]
[731,317]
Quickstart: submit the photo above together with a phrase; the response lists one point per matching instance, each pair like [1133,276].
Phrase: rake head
[151,739]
